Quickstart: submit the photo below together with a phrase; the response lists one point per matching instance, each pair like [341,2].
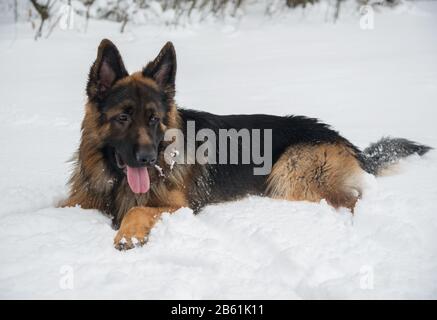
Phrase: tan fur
[303,172]
[316,172]
[137,77]
[91,184]
[115,110]
[143,137]
[174,118]
[137,224]
[90,181]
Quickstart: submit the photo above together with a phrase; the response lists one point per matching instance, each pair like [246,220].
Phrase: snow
[366,83]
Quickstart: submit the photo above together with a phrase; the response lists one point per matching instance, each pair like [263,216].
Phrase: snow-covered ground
[366,83]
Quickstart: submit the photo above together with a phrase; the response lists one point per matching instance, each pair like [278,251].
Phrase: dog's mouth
[119,161]
[137,177]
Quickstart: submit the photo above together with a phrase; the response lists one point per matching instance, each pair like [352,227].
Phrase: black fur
[124,126]
[226,182]
[388,151]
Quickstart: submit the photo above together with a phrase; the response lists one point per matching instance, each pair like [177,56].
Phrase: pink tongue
[138,179]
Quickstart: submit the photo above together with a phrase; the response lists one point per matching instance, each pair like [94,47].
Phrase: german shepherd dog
[120,168]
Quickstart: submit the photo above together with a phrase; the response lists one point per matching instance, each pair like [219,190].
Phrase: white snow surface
[365,83]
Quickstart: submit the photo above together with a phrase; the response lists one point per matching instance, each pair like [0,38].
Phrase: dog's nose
[145,157]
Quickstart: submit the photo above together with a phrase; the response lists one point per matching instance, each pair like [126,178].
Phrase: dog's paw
[135,228]
[126,243]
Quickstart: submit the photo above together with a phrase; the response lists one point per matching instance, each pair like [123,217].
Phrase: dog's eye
[153,119]
[123,117]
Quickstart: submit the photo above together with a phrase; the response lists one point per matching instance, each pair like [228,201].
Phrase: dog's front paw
[125,242]
[135,228]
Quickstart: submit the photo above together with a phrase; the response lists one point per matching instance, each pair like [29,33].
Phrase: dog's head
[132,112]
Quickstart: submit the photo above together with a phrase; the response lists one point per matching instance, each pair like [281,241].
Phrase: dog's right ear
[105,71]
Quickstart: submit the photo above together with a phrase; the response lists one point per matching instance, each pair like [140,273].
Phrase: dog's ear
[105,71]
[163,69]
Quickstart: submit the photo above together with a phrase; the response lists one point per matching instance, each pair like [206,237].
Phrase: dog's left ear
[163,69]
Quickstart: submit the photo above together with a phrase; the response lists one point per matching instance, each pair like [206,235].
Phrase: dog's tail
[388,151]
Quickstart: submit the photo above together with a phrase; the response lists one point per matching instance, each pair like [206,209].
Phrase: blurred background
[44,15]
